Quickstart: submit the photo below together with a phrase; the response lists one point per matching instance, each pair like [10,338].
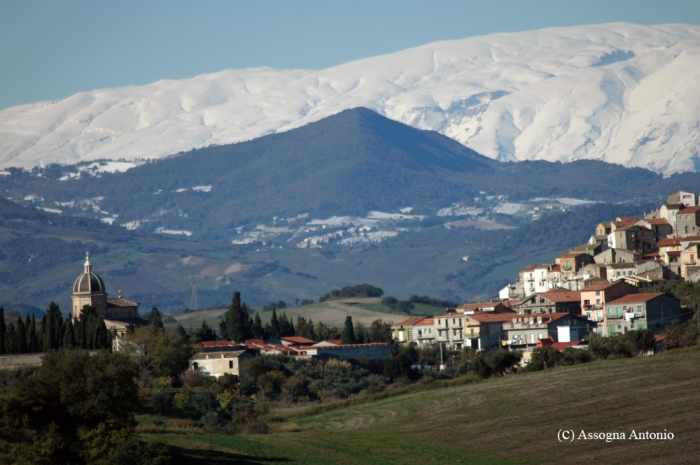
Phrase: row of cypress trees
[88,332]
[237,325]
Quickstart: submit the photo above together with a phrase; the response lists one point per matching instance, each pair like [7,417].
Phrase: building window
[230,364]
[195,365]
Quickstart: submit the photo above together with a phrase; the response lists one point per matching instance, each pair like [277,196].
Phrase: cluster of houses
[594,287]
[220,357]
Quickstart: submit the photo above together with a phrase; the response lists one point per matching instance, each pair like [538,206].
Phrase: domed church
[89,289]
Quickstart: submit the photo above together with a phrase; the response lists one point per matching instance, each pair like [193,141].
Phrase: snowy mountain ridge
[620,93]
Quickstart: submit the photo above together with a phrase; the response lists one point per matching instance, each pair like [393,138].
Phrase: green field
[514,419]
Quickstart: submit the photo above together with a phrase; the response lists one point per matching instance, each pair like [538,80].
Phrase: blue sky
[52,49]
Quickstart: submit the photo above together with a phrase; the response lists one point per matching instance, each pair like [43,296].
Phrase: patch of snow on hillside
[50,210]
[374,215]
[202,188]
[508,208]
[160,230]
[108,220]
[371,237]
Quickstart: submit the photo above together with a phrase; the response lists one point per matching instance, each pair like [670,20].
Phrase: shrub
[161,402]
[162,384]
[681,335]
[183,398]
[204,401]
[193,378]
[258,427]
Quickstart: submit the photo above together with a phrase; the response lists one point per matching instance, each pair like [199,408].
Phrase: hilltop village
[597,287]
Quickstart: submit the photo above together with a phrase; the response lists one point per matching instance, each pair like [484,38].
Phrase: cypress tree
[238,324]
[11,340]
[348,332]
[181,331]
[274,324]
[258,330]
[68,340]
[3,332]
[155,318]
[32,338]
[52,327]
[21,336]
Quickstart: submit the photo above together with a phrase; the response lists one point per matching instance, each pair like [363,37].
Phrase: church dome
[89,282]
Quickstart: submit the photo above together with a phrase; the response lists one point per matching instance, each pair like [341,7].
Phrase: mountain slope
[348,164]
[621,93]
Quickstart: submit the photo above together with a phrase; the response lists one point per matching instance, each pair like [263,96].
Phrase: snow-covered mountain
[620,93]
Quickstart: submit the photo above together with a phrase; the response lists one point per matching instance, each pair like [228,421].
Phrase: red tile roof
[564,345]
[599,286]
[297,340]
[211,344]
[657,221]
[626,222]
[489,317]
[669,241]
[426,322]
[571,254]
[635,298]
[689,210]
[411,321]
[561,296]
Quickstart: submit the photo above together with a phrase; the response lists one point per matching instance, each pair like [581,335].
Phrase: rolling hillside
[510,420]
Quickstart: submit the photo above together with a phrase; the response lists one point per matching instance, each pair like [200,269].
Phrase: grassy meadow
[514,419]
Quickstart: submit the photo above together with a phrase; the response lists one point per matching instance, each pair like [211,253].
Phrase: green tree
[11,341]
[380,331]
[348,336]
[92,329]
[76,409]
[155,318]
[68,340]
[205,333]
[165,354]
[21,336]
[275,330]
[399,365]
[680,335]
[179,330]
[3,332]
[258,329]
[236,325]
[640,341]
[501,360]
[51,327]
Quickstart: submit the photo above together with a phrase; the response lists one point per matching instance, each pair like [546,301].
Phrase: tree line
[54,332]
[237,325]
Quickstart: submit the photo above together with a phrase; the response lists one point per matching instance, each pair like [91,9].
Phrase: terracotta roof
[571,254]
[210,344]
[623,223]
[561,296]
[650,277]
[689,210]
[674,253]
[297,340]
[598,286]
[426,322]
[634,298]
[411,321]
[489,317]
[669,241]
[564,345]
[657,221]
[335,341]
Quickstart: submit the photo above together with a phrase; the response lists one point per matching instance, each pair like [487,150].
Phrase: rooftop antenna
[194,301]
